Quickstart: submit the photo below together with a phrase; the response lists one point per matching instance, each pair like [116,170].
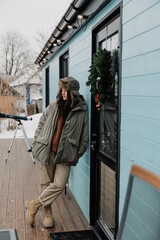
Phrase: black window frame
[94,164]
[47,87]
[64,65]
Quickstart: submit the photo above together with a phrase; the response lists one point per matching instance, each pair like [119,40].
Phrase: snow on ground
[29,126]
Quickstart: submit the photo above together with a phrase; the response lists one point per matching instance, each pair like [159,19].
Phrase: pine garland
[104,69]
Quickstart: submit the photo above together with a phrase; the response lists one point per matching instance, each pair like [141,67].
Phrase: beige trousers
[53,180]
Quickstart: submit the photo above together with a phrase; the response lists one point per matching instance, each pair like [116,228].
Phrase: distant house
[8,97]
[126,130]
[8,78]
[30,86]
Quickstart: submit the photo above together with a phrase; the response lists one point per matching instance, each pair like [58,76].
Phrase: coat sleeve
[84,136]
[41,122]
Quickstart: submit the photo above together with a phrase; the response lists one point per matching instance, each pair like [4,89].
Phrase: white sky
[30,16]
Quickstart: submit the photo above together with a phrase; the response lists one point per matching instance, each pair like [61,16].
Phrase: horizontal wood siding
[140,102]
[54,78]
[80,50]
[79,62]
[80,57]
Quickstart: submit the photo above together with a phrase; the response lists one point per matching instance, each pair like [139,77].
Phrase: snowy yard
[29,126]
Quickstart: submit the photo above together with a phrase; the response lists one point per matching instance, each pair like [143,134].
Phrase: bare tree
[16,56]
[41,39]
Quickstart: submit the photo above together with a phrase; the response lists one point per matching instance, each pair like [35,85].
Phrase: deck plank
[19,183]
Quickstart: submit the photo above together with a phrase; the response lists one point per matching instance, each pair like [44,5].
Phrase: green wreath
[102,75]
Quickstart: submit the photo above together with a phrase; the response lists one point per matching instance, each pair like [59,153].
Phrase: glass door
[104,147]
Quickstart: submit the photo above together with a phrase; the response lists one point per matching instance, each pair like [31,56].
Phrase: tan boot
[48,221]
[32,209]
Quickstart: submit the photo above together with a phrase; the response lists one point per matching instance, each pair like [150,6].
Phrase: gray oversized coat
[74,138]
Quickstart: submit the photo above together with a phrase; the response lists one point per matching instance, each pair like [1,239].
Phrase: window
[108,38]
[64,65]
[105,126]
[47,85]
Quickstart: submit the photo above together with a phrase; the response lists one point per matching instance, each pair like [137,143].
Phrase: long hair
[64,105]
[71,102]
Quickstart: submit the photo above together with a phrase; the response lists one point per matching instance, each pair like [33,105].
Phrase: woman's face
[64,94]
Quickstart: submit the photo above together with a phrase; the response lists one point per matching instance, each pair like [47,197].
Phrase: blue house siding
[80,52]
[79,62]
[80,57]
[140,91]
[140,108]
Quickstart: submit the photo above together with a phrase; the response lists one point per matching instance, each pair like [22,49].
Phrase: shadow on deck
[19,182]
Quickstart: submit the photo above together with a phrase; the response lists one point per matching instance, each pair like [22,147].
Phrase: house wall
[80,54]
[8,104]
[140,100]
[140,108]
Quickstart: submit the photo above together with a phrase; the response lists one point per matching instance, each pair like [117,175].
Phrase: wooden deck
[19,182]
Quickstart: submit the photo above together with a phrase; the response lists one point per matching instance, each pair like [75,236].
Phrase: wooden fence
[8,104]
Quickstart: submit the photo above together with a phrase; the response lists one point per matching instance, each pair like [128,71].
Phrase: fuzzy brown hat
[69,83]
[72,86]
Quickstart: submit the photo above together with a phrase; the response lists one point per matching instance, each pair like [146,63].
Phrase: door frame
[94,165]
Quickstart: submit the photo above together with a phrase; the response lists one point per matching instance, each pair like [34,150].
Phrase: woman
[60,139]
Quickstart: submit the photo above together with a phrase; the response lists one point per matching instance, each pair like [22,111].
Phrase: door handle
[93,145]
